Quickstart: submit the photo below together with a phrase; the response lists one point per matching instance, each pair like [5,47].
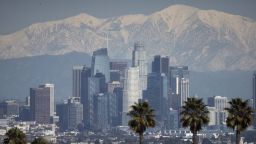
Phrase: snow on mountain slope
[205,40]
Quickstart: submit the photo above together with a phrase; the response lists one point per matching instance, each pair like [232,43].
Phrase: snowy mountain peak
[179,8]
[202,39]
[84,18]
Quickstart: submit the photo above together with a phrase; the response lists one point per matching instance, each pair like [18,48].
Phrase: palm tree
[240,116]
[15,136]
[142,117]
[39,140]
[194,114]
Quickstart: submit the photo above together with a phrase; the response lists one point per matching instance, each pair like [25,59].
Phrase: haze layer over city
[99,57]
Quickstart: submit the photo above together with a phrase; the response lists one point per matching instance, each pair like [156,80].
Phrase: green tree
[240,116]
[194,114]
[142,117]
[15,136]
[40,140]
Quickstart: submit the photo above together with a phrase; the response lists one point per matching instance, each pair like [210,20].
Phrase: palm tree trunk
[238,137]
[141,138]
[194,137]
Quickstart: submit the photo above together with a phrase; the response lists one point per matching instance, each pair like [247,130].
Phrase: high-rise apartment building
[100,63]
[77,80]
[132,91]
[42,103]
[139,59]
[219,103]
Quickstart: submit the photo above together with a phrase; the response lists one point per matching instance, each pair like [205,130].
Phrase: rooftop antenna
[107,33]
[107,39]
[174,39]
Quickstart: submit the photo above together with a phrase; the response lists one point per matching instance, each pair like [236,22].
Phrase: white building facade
[132,92]
[139,59]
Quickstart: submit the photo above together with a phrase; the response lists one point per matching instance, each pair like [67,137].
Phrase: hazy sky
[17,14]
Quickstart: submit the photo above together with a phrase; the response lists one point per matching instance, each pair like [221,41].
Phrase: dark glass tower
[100,63]
[160,65]
[179,86]
[157,94]
[254,97]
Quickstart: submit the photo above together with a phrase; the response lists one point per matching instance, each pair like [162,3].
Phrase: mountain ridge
[205,40]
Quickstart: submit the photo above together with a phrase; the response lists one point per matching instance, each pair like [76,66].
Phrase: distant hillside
[205,40]
[18,75]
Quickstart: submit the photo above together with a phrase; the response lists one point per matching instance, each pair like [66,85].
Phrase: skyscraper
[70,114]
[102,82]
[100,63]
[77,80]
[101,111]
[254,97]
[172,119]
[9,108]
[118,92]
[52,105]
[139,59]
[119,66]
[85,97]
[157,94]
[179,86]
[184,90]
[219,103]
[111,86]
[212,116]
[160,65]
[115,75]
[132,91]
[42,103]
[75,112]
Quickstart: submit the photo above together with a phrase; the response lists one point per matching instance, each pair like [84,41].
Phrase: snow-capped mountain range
[205,40]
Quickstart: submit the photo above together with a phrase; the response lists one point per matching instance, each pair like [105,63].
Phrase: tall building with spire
[139,59]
